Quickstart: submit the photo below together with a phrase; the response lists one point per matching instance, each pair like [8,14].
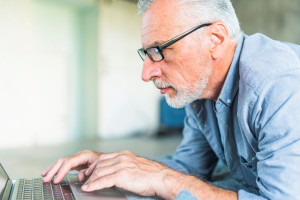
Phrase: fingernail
[44,179]
[84,187]
[87,172]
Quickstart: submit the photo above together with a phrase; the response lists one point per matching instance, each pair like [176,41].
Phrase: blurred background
[70,73]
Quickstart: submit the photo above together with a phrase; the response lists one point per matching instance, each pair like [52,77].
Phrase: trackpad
[108,192]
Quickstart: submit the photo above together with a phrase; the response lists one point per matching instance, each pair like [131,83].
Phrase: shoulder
[263,59]
[269,73]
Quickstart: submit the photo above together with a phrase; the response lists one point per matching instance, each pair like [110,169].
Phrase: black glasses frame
[143,52]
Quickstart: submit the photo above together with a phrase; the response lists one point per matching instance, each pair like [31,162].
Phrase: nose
[150,70]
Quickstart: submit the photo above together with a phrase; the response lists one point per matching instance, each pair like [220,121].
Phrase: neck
[221,67]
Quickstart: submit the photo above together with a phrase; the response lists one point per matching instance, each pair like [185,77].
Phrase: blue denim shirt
[253,127]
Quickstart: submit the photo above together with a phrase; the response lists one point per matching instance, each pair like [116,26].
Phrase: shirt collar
[231,84]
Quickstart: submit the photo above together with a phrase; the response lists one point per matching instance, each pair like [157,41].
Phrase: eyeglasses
[155,53]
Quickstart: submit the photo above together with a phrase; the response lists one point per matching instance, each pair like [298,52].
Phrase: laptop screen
[3,180]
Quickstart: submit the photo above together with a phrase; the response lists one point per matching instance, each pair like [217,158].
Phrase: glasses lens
[142,54]
[154,54]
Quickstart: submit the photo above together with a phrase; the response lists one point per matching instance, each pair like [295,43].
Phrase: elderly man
[242,99]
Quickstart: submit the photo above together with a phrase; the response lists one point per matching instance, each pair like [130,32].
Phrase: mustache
[162,84]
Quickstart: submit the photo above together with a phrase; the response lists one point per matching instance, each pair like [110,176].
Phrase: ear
[219,37]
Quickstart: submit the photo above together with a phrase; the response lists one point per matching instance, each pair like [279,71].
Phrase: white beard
[185,94]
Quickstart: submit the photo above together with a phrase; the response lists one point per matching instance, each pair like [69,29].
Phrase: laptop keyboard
[36,189]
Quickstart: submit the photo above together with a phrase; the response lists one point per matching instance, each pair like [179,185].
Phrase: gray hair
[208,11]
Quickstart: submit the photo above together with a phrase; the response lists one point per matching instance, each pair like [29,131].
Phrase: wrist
[171,184]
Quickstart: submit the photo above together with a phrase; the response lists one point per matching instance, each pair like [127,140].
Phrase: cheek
[191,67]
[184,65]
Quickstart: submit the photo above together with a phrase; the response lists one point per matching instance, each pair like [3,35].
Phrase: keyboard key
[36,189]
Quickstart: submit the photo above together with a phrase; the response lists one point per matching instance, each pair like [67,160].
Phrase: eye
[156,50]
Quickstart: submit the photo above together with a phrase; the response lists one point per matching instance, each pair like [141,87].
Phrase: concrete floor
[30,161]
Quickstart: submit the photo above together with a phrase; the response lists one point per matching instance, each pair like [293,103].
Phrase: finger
[81,175]
[53,170]
[64,170]
[73,162]
[102,172]
[44,173]
[66,166]
[91,168]
[101,183]
[101,159]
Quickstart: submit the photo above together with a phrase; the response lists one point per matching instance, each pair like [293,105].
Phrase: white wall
[16,38]
[127,105]
[37,56]
[50,89]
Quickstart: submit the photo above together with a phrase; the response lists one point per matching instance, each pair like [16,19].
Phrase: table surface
[31,161]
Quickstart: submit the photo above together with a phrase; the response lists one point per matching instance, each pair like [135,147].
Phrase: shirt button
[228,100]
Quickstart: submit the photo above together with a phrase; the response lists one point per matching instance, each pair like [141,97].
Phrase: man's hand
[130,172]
[123,169]
[80,161]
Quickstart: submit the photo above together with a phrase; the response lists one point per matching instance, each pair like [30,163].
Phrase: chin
[176,102]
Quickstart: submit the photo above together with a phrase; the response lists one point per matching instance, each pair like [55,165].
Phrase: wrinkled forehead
[162,21]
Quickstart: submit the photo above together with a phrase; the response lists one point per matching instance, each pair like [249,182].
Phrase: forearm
[174,182]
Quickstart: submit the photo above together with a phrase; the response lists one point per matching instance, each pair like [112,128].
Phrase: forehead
[161,21]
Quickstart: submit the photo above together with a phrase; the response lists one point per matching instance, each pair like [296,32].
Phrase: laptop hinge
[7,190]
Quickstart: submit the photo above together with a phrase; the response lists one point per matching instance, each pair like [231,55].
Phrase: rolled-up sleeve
[185,195]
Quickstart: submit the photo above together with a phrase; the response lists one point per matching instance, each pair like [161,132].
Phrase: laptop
[35,189]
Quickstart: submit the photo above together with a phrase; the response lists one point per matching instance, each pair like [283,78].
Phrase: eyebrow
[154,44]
